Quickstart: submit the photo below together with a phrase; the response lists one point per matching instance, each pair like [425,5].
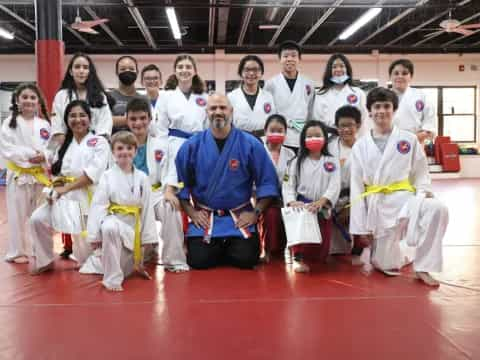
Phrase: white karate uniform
[390,216]
[339,245]
[294,105]
[89,157]
[318,178]
[162,170]
[116,232]
[101,121]
[286,156]
[244,118]
[326,105]
[29,138]
[415,112]
[179,113]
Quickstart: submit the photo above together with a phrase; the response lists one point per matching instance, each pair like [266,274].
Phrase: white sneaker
[300,267]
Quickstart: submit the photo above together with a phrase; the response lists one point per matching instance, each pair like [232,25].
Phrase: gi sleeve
[98,209]
[289,183]
[265,175]
[429,117]
[185,169]
[358,210]
[149,227]
[420,175]
[334,184]
[58,107]
[104,121]
[9,150]
[100,160]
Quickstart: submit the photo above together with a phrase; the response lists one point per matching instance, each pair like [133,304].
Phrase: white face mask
[339,79]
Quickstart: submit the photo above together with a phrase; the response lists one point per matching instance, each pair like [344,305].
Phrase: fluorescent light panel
[359,23]
[6,34]
[172,19]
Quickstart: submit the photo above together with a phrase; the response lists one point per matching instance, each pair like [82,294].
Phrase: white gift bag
[67,216]
[301,226]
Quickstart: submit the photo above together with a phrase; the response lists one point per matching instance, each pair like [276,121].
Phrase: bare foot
[390,272]
[300,267]
[143,273]
[21,260]
[114,288]
[427,279]
[37,271]
[265,258]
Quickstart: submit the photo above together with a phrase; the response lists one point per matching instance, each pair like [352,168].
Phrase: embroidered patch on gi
[309,89]
[201,101]
[403,147]
[234,164]
[419,105]
[329,166]
[158,155]
[92,142]
[352,99]
[267,107]
[44,134]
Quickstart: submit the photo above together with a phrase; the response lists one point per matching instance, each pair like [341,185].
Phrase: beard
[219,122]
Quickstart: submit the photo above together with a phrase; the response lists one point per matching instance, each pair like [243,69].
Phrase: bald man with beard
[219,168]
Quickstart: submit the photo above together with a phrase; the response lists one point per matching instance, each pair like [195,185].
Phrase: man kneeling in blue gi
[219,168]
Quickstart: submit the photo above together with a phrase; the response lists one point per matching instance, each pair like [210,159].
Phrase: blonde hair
[124,137]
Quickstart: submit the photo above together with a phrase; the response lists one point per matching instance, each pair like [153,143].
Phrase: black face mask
[127,77]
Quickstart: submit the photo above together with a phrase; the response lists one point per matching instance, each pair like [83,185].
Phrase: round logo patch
[234,164]
[309,89]
[44,134]
[329,166]
[419,105]
[403,147]
[92,142]
[352,99]
[267,107]
[201,101]
[158,155]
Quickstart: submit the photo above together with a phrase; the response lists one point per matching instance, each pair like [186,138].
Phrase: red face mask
[275,138]
[315,144]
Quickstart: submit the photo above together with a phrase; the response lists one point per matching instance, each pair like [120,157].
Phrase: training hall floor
[335,312]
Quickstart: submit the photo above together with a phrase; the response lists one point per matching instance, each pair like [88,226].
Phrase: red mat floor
[333,313]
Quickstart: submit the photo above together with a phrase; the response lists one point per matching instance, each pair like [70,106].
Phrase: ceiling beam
[223,14]
[393,21]
[211,23]
[320,21]
[17,17]
[418,27]
[284,22]
[75,33]
[245,21]
[448,43]
[104,26]
[137,16]
[378,4]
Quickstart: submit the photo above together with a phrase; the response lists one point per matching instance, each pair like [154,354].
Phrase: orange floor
[333,313]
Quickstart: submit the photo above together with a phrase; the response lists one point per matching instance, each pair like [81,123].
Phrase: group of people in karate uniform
[356,161]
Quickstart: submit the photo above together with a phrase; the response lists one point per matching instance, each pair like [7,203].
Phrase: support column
[49,47]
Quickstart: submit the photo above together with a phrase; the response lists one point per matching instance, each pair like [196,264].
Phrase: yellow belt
[403,185]
[135,211]
[71,179]
[37,172]
[156,187]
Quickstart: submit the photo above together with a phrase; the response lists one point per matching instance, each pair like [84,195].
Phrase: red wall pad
[49,56]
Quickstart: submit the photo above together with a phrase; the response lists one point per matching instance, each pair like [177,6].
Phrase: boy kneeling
[122,218]
[392,204]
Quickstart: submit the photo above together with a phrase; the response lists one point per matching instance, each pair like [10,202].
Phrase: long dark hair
[198,85]
[303,151]
[95,89]
[14,103]
[57,165]
[327,83]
